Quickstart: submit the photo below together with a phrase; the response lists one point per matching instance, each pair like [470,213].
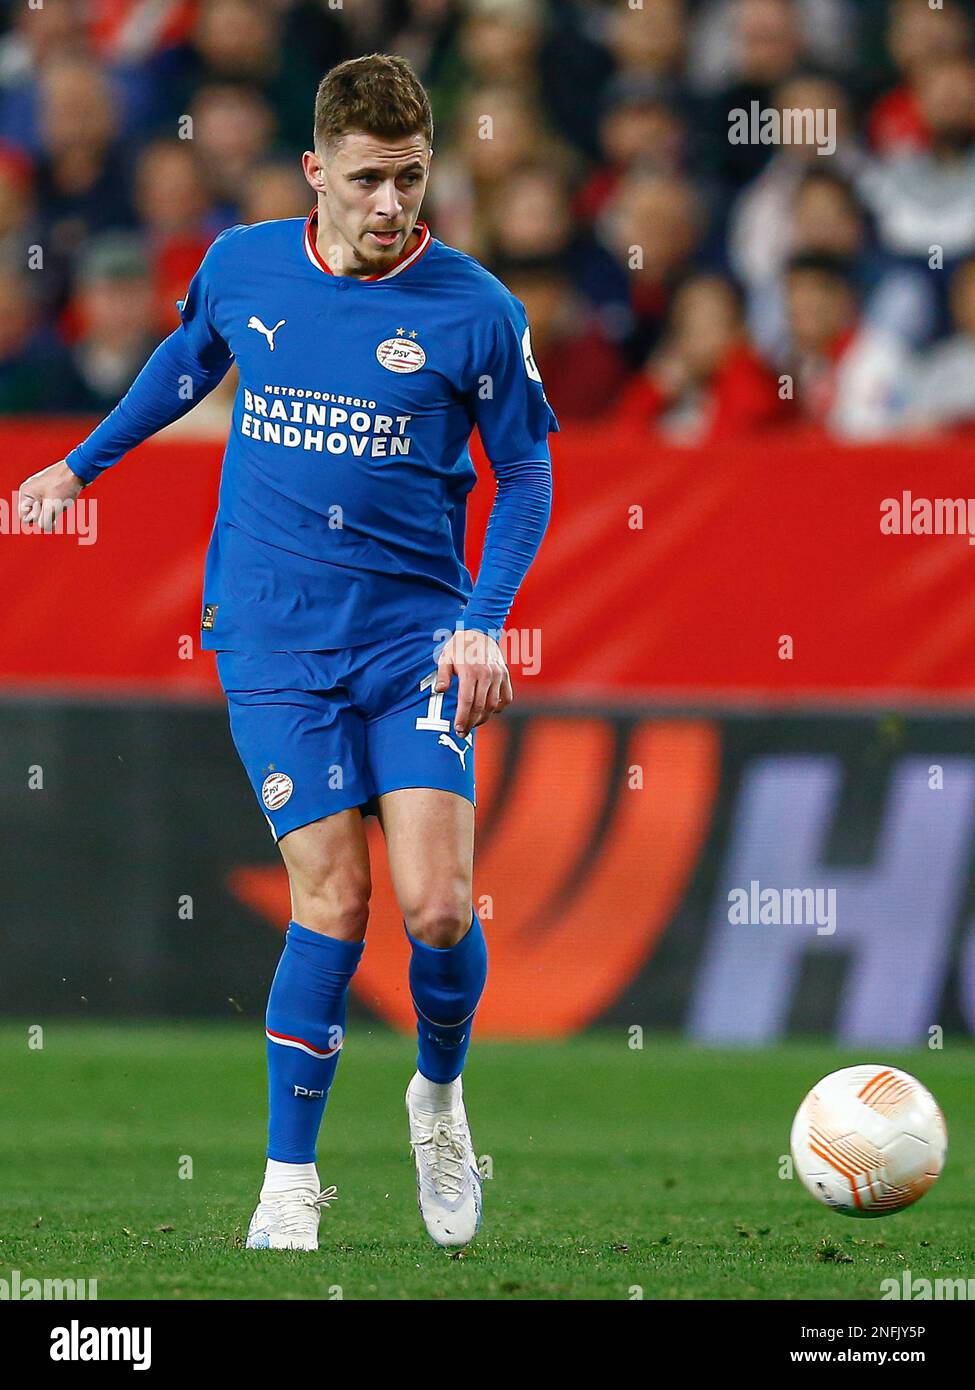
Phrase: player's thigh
[430,846]
[328,871]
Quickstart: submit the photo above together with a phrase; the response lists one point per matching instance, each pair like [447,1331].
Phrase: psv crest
[276,790]
[402,353]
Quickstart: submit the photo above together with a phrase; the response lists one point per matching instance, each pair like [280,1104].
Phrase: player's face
[373,189]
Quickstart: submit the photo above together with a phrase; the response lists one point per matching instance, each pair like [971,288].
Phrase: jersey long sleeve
[514,420]
[515,529]
[171,383]
[184,368]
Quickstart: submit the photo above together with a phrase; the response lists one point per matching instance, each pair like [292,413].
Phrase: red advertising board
[765,570]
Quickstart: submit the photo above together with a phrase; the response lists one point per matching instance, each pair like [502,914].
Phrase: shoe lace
[444,1153]
[294,1209]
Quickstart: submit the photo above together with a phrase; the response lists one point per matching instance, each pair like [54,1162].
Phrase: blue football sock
[305,1031]
[446,985]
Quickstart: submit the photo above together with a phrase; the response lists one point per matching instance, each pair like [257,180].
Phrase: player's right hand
[45,495]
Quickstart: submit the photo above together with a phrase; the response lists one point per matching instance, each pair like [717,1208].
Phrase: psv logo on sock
[304,1093]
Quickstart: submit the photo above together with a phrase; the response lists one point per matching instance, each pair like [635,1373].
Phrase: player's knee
[440,918]
[336,904]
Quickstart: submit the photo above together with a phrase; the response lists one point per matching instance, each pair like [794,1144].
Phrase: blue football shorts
[320,732]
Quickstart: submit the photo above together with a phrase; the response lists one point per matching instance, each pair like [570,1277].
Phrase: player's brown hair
[379,94]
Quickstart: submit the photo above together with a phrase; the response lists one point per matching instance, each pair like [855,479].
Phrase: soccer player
[356,655]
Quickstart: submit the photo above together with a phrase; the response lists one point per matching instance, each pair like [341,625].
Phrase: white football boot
[448,1185]
[287,1217]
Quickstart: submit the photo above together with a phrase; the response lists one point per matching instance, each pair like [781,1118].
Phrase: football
[868,1140]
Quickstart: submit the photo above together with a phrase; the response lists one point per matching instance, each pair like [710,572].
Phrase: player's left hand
[484,685]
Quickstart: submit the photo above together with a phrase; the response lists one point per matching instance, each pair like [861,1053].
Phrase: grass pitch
[613,1170]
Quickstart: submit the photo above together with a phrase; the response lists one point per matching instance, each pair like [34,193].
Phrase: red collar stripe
[403,263]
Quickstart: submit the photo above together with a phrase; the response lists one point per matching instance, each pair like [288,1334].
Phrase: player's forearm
[516,526]
[171,383]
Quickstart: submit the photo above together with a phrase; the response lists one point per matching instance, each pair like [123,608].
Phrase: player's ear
[307,166]
[311,165]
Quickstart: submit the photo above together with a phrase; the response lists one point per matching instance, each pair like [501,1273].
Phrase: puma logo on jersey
[448,742]
[255,322]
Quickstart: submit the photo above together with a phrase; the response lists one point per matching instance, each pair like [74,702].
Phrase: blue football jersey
[343,492]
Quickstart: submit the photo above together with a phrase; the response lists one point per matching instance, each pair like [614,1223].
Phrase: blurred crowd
[695,286]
